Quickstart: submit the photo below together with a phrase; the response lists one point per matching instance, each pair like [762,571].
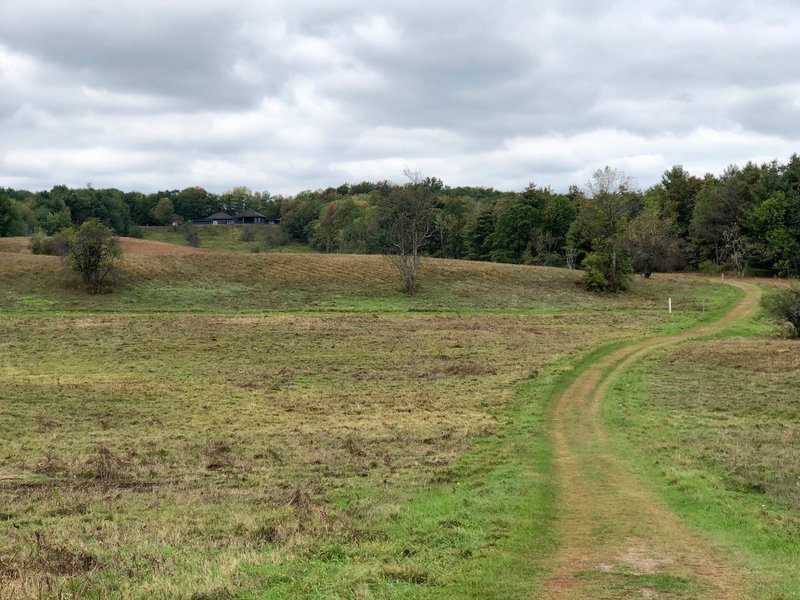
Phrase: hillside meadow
[160,277]
[281,426]
[228,238]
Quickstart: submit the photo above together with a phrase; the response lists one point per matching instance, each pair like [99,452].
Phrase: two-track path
[615,532]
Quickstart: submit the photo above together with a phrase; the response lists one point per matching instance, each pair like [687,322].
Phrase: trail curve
[618,539]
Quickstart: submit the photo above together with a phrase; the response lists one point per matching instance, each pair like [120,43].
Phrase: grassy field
[716,426]
[282,426]
[197,281]
[226,238]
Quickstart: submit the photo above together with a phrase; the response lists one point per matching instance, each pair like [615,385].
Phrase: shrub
[503,256]
[137,231]
[709,267]
[601,276]
[92,253]
[551,259]
[784,307]
[59,244]
[528,258]
[594,280]
[37,243]
[247,235]
[55,245]
[275,236]
[190,234]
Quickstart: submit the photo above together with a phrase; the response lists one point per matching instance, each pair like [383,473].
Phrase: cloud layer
[284,96]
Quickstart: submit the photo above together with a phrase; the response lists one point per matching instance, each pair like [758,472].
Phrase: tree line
[746,219]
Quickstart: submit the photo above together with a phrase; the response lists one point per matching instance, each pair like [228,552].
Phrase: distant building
[219,218]
[250,217]
[247,217]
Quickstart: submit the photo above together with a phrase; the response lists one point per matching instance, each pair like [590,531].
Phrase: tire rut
[619,540]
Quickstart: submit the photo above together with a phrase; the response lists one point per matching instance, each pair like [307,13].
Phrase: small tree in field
[92,253]
[410,224]
[784,306]
[603,219]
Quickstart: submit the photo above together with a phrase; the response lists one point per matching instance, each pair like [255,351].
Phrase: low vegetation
[281,426]
[715,425]
[188,279]
[228,238]
[92,252]
[783,306]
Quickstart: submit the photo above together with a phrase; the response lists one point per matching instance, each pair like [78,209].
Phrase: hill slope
[163,277]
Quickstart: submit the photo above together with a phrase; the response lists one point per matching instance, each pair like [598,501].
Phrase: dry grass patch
[734,403]
[215,450]
[174,451]
[133,246]
[234,282]
[14,245]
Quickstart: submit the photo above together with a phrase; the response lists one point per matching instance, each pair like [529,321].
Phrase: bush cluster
[54,245]
[784,307]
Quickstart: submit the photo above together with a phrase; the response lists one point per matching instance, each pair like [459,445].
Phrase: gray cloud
[286,96]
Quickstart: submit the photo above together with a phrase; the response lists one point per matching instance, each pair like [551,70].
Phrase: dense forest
[746,219]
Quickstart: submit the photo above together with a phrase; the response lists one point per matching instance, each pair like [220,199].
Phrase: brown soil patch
[610,521]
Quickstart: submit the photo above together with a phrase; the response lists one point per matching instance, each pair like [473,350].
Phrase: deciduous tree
[164,211]
[652,244]
[410,223]
[680,190]
[717,207]
[513,233]
[735,250]
[776,222]
[604,218]
[11,220]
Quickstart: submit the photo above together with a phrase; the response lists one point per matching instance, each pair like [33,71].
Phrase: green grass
[638,585]
[714,426]
[223,238]
[484,528]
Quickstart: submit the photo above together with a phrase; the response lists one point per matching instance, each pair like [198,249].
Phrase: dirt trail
[618,538]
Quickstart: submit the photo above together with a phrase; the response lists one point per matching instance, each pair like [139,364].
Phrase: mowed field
[716,427]
[282,426]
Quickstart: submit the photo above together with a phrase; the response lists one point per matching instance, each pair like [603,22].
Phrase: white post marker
[670,306]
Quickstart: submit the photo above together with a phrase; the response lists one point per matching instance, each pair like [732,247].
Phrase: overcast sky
[285,96]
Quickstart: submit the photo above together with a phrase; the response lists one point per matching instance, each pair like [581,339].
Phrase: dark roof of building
[218,215]
[250,213]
